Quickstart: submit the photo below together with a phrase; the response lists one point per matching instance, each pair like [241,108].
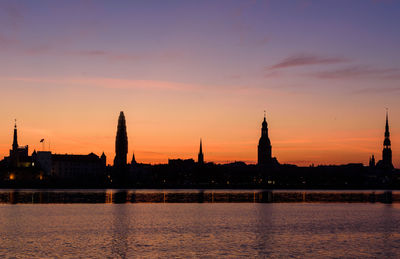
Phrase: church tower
[18,155]
[133,161]
[15,140]
[264,145]
[200,158]
[387,150]
[121,143]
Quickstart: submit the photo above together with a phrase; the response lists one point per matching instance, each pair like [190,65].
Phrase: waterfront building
[386,162]
[18,155]
[121,143]
[19,165]
[264,145]
[69,166]
[43,161]
[77,166]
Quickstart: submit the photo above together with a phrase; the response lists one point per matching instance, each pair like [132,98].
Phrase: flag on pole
[41,140]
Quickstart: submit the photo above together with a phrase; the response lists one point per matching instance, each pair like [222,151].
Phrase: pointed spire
[387,151]
[264,144]
[133,162]
[387,134]
[200,157]
[372,161]
[264,125]
[386,142]
[15,140]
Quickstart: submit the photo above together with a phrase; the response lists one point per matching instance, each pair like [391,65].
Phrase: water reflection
[199,230]
[264,230]
[387,226]
[120,227]
[194,196]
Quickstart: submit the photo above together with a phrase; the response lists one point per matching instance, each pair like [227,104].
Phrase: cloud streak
[307,60]
[115,56]
[357,72]
[377,90]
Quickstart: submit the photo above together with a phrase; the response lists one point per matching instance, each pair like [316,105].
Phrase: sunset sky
[324,71]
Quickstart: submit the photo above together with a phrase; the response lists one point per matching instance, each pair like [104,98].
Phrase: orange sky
[166,120]
[324,71]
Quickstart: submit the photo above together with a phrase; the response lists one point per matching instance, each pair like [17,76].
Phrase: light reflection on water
[275,230]
[195,196]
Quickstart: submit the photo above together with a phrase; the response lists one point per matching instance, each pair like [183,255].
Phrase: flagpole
[42,141]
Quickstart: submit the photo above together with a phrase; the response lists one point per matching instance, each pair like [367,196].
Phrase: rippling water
[165,230]
[194,196]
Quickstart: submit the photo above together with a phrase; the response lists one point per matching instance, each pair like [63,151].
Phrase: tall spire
[15,141]
[200,158]
[387,134]
[387,150]
[264,144]
[121,142]
[386,142]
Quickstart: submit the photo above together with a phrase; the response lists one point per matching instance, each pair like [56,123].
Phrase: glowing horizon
[181,71]
[334,152]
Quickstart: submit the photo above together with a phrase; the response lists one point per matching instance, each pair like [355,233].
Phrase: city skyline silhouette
[324,84]
[44,169]
[199,129]
[264,148]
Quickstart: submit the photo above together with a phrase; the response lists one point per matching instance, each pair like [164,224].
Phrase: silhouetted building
[200,158]
[372,161]
[103,159]
[18,155]
[386,162]
[19,165]
[43,161]
[121,143]
[264,145]
[133,161]
[77,166]
[181,162]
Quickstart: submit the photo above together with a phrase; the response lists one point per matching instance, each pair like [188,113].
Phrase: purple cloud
[359,72]
[307,60]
